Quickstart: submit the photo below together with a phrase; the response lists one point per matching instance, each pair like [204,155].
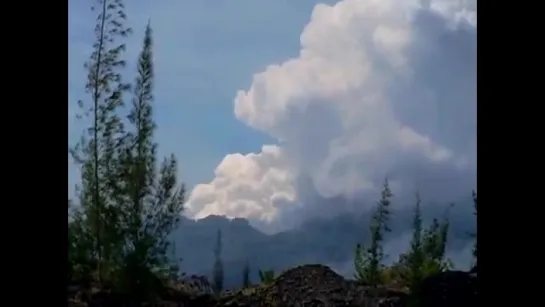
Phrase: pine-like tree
[128,205]
[152,200]
[246,274]
[266,276]
[434,247]
[96,152]
[415,257]
[80,243]
[361,264]
[218,265]
[368,262]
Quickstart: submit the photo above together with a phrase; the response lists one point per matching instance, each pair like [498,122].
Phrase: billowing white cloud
[253,185]
[380,88]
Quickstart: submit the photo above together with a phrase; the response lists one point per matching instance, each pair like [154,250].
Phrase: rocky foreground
[308,285]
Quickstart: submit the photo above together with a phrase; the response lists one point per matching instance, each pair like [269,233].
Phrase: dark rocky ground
[308,285]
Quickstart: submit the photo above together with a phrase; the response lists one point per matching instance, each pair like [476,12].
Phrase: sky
[283,110]
[202,58]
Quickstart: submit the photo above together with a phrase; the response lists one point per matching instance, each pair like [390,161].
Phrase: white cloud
[380,88]
[253,185]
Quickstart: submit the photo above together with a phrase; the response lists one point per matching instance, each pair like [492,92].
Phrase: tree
[218,265]
[368,262]
[129,204]
[415,257]
[434,247]
[361,263]
[266,276]
[246,274]
[80,242]
[151,199]
[426,255]
[96,152]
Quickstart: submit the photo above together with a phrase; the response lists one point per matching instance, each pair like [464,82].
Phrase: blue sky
[205,51]
[356,92]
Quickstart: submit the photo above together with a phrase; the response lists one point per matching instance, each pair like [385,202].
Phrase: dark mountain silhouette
[320,240]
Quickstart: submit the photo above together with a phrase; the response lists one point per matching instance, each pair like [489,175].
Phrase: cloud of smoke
[380,88]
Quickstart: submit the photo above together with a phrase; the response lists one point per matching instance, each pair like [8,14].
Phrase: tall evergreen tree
[141,152]
[361,263]
[128,205]
[368,262]
[432,240]
[96,152]
[434,246]
[246,274]
[415,257]
[80,244]
[218,265]
[152,200]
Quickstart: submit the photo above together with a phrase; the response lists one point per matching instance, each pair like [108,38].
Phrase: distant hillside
[326,241]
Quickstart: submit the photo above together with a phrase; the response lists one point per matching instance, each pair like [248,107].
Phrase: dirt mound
[312,285]
[309,285]
[449,289]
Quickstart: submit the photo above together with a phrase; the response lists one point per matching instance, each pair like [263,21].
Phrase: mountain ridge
[322,240]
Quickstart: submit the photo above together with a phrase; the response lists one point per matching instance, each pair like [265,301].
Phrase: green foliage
[432,252]
[246,275]
[415,257]
[368,262]
[266,276]
[136,277]
[80,261]
[128,204]
[427,251]
[426,255]
[96,151]
[218,266]
[394,276]
[150,199]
